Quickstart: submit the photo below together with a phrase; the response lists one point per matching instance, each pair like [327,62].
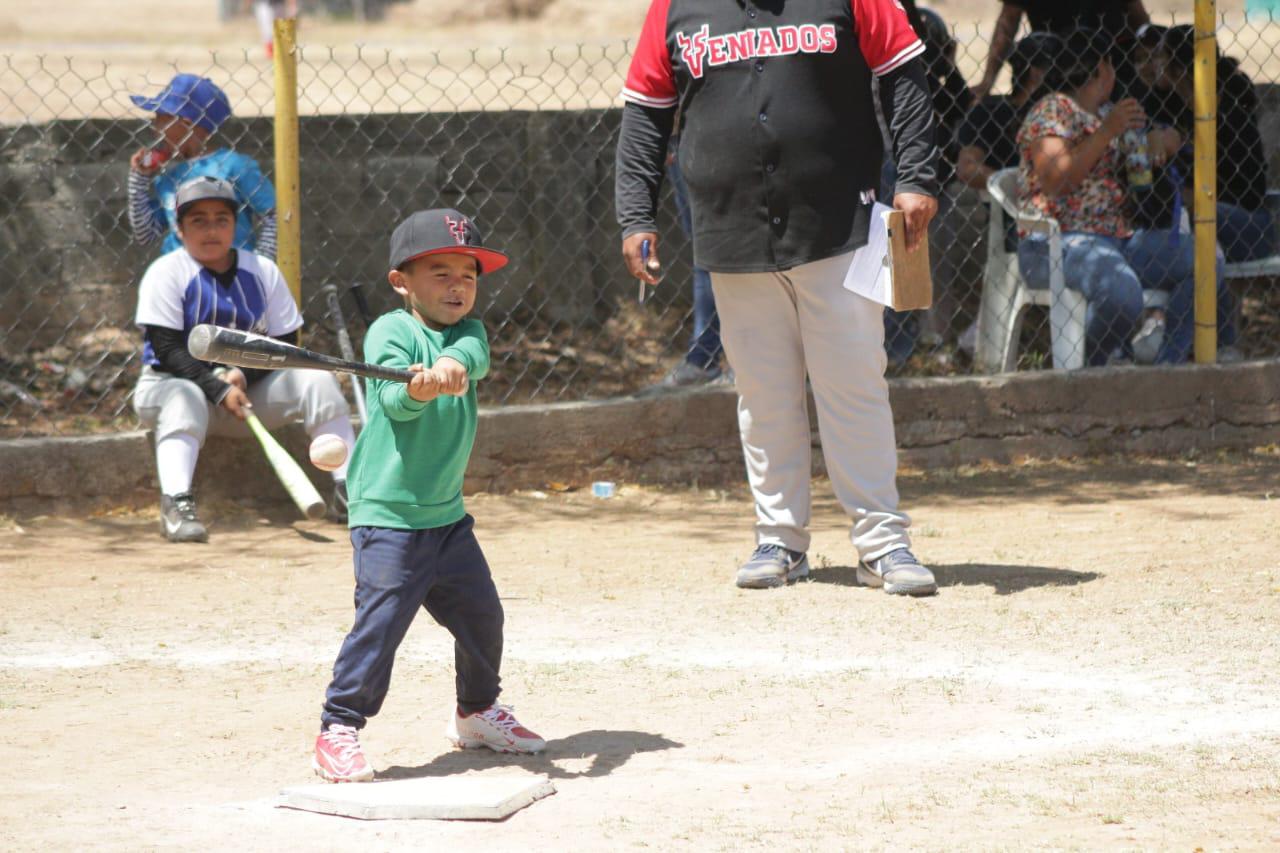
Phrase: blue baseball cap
[194,98]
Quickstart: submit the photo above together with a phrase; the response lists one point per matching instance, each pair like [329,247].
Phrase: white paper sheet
[870,274]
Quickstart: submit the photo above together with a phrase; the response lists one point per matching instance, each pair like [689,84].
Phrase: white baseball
[328,451]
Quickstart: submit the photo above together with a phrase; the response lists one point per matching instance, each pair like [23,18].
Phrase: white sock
[341,427]
[176,462]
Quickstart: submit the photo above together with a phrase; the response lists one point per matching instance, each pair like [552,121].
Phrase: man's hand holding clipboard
[886,270]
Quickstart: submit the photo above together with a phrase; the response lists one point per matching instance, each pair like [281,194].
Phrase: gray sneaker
[178,519]
[683,375]
[899,572]
[686,373]
[772,565]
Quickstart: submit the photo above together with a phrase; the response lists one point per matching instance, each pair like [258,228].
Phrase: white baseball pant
[169,404]
[182,416]
[776,326]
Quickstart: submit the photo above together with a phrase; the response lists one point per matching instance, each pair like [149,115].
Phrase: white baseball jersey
[177,292]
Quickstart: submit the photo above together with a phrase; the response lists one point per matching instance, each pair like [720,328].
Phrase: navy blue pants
[398,571]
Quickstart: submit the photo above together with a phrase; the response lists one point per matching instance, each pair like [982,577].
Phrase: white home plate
[426,798]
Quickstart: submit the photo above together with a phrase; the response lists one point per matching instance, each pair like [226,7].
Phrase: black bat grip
[330,292]
[362,303]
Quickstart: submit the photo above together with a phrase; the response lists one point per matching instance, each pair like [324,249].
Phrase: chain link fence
[523,139]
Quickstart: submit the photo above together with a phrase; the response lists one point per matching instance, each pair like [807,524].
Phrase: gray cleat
[899,572]
[178,519]
[772,565]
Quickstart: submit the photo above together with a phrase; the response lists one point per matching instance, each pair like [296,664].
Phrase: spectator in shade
[1073,169]
[987,141]
[1246,227]
[187,115]
[1117,18]
[701,362]
[989,135]
[951,101]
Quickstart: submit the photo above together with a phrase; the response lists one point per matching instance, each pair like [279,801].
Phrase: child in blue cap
[188,112]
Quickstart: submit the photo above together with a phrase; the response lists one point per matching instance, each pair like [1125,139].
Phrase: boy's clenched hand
[451,376]
[424,386]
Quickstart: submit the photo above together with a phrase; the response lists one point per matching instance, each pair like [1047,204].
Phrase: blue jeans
[1111,273]
[704,346]
[398,571]
[1246,235]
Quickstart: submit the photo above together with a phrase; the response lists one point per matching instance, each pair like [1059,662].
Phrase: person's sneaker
[178,519]
[338,756]
[496,728]
[1230,355]
[686,373]
[683,375]
[337,510]
[772,565]
[1148,339]
[899,572]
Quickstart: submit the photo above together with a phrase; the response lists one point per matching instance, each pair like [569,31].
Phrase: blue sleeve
[258,191]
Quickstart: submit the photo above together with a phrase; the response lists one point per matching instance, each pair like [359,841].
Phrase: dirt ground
[1098,670]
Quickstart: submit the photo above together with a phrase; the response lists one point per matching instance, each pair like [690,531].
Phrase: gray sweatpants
[776,327]
[170,405]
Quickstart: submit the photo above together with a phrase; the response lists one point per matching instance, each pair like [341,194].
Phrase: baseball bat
[290,472]
[344,345]
[245,349]
[362,304]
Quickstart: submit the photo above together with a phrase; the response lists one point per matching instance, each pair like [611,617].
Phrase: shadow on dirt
[607,750]
[1003,580]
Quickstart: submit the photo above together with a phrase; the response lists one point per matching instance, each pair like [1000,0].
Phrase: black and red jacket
[779,139]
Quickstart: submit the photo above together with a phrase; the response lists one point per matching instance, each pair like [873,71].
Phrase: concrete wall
[540,184]
[692,437]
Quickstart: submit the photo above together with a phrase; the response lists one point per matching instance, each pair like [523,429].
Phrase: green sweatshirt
[407,467]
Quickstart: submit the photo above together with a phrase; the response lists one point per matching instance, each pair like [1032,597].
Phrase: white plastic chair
[1006,297]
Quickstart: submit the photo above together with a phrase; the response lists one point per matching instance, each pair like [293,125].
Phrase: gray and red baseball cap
[442,231]
[197,99]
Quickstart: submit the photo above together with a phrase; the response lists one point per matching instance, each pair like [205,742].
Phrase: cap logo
[458,228]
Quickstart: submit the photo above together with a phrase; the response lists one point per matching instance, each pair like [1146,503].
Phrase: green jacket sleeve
[470,348]
[391,344]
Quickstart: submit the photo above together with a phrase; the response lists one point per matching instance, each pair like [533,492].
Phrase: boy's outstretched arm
[470,349]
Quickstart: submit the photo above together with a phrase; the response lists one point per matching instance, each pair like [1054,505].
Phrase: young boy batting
[183,399]
[413,541]
[188,112]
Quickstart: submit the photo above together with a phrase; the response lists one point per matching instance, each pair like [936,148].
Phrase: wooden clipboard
[911,284]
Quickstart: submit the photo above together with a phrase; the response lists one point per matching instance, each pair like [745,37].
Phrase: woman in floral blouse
[1073,169]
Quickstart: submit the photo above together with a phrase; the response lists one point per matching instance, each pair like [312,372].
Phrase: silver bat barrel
[246,349]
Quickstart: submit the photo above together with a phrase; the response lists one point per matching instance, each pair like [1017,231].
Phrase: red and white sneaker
[339,757]
[495,727]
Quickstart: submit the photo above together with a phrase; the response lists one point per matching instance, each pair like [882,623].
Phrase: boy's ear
[396,278]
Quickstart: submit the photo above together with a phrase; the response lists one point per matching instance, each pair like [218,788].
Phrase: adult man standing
[781,152]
